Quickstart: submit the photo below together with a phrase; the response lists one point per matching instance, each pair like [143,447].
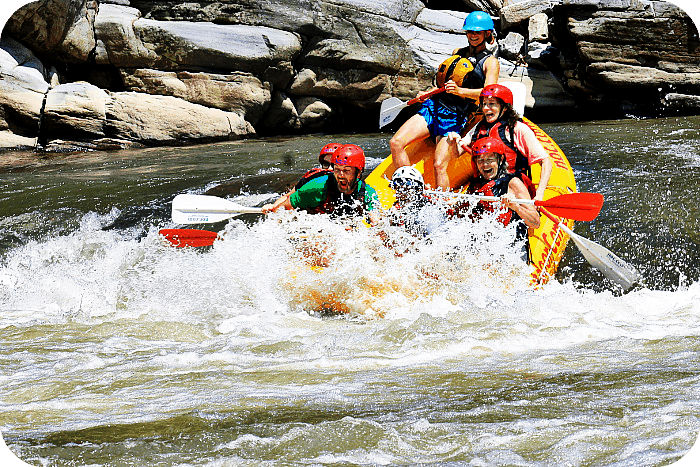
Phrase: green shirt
[315,193]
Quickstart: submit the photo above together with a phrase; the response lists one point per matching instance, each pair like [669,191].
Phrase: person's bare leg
[444,153]
[414,129]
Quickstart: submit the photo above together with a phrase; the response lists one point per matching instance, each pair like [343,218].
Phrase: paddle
[576,206]
[180,238]
[203,209]
[601,258]
[392,106]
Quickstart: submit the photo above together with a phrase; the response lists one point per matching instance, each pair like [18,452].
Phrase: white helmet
[407,175]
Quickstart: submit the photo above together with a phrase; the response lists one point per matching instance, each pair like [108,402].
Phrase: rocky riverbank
[117,73]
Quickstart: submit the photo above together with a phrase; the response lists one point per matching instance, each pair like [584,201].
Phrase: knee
[395,144]
[441,164]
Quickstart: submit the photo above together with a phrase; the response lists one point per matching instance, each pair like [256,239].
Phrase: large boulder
[125,40]
[77,109]
[237,92]
[23,85]
[625,46]
[307,17]
[163,120]
[518,12]
[86,112]
[56,28]
[361,86]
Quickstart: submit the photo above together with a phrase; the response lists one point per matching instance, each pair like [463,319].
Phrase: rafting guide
[341,193]
[458,83]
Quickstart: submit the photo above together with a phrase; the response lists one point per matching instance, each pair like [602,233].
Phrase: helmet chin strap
[358,176]
[502,166]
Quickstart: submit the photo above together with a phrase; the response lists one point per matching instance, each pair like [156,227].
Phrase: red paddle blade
[576,206]
[180,238]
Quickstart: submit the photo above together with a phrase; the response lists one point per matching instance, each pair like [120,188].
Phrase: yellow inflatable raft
[547,243]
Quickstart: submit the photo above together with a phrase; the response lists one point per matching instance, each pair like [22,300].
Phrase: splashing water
[119,349]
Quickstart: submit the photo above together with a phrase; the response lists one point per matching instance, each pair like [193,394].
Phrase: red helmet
[350,154]
[327,149]
[488,144]
[484,146]
[499,91]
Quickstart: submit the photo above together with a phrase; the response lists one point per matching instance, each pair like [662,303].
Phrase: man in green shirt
[342,193]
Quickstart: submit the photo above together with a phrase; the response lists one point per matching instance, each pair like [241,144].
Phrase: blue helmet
[478,21]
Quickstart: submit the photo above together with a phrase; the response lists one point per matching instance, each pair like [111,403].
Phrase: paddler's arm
[527,212]
[528,144]
[544,178]
[286,204]
[423,93]
[492,68]
[273,207]
[310,195]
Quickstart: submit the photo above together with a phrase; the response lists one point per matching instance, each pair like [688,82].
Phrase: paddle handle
[482,197]
[235,209]
[416,100]
[558,221]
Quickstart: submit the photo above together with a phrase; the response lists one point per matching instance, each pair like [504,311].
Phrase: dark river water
[120,350]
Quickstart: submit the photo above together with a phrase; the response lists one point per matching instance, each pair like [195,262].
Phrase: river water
[120,350]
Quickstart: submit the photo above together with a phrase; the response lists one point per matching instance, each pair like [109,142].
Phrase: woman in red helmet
[324,160]
[502,122]
[341,193]
[488,159]
[449,111]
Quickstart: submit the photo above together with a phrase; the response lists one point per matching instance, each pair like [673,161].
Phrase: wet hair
[502,166]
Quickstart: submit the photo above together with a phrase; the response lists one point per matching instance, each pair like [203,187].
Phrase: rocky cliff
[113,73]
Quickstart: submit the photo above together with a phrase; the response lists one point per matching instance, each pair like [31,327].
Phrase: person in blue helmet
[450,110]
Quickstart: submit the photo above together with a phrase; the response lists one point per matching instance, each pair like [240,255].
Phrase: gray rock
[623,76]
[160,120]
[282,113]
[362,87]
[490,6]
[10,140]
[308,17]
[115,39]
[75,108]
[237,92]
[441,20]
[631,46]
[511,48]
[545,92]
[124,40]
[678,101]
[312,112]
[516,13]
[57,28]
[23,86]
[538,28]
[536,51]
